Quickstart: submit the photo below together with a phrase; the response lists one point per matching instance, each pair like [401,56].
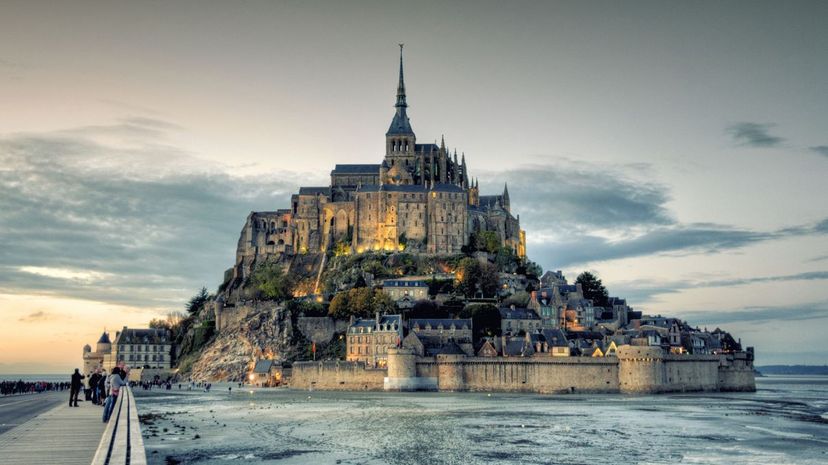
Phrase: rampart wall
[636,370]
[336,376]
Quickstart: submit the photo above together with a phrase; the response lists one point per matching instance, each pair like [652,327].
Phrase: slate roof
[400,124]
[489,201]
[104,339]
[451,348]
[357,169]
[518,314]
[384,320]
[263,366]
[554,337]
[315,190]
[436,322]
[142,336]
[410,188]
[426,148]
[517,347]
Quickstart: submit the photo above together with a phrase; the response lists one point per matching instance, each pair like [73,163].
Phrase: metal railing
[122,443]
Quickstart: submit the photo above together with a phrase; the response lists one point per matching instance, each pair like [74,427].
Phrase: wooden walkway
[64,435]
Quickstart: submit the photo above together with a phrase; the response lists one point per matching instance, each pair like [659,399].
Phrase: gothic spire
[401,85]
[400,124]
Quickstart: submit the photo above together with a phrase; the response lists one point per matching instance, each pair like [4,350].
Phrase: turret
[506,198]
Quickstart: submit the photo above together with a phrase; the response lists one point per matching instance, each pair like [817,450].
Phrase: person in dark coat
[75,388]
[93,385]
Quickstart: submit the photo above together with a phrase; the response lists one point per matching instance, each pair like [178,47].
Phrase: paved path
[16,410]
[64,435]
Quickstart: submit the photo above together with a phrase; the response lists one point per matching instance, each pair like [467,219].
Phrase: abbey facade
[419,199]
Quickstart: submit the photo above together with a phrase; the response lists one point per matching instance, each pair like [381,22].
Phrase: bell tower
[400,138]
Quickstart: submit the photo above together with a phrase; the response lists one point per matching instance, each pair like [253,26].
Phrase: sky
[679,150]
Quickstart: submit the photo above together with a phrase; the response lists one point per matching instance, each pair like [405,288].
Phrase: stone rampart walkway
[64,435]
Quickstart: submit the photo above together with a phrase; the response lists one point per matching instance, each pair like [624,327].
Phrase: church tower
[400,138]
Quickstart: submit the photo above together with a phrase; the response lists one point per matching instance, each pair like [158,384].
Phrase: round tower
[104,345]
[402,370]
[450,372]
[641,369]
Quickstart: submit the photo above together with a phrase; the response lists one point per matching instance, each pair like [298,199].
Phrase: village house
[368,340]
[514,320]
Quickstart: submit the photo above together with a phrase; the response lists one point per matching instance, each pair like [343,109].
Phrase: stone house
[514,320]
[143,348]
[436,333]
[266,373]
[399,289]
[368,340]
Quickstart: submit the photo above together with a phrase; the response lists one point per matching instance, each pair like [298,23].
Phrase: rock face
[263,330]
[249,332]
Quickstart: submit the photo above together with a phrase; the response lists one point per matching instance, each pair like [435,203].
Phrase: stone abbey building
[420,199]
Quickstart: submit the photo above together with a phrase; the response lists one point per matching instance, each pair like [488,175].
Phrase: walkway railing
[122,443]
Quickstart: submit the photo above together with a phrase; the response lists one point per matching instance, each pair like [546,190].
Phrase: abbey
[419,199]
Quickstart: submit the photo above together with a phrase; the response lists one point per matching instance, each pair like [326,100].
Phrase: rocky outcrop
[259,330]
[249,332]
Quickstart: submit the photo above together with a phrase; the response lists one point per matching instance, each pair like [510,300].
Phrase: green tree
[271,282]
[382,302]
[485,319]
[196,302]
[593,289]
[339,307]
[477,277]
[360,302]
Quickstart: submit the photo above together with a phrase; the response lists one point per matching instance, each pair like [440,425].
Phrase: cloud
[820,149]
[758,315]
[100,213]
[643,291]
[584,196]
[753,134]
[37,317]
[578,213]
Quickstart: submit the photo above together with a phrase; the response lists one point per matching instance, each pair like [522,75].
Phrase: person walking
[75,388]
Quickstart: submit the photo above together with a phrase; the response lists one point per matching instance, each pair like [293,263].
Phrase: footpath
[64,435]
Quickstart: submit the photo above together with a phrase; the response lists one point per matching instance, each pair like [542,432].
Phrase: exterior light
[252,377]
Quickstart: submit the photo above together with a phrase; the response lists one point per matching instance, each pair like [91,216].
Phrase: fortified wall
[636,369]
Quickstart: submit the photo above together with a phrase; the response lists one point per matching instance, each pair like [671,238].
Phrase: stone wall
[336,376]
[545,375]
[320,329]
[736,373]
[646,369]
[636,370]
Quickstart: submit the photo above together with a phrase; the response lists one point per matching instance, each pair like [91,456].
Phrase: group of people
[102,389]
[8,388]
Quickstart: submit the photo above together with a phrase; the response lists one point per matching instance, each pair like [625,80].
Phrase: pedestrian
[75,388]
[102,388]
[115,384]
[93,385]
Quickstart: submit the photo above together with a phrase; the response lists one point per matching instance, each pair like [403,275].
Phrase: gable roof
[142,336]
[357,169]
[459,323]
[518,314]
[263,366]
[315,190]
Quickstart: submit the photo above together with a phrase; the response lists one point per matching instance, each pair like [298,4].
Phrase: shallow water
[784,422]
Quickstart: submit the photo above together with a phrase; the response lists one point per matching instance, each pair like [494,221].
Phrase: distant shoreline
[816,370]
